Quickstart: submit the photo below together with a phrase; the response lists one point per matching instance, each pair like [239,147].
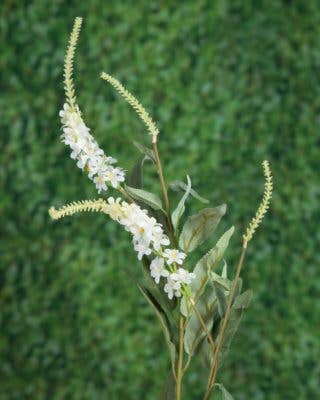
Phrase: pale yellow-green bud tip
[263,207]
[76,207]
[134,103]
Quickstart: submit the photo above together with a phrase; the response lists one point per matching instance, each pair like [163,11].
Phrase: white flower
[86,151]
[82,159]
[110,160]
[148,238]
[157,269]
[100,182]
[174,256]
[183,276]
[159,238]
[114,175]
[142,226]
[172,288]
[142,249]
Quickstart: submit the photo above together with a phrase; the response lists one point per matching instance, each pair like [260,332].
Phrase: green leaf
[233,323]
[224,273]
[224,394]
[243,300]
[144,150]
[165,323]
[199,227]
[179,185]
[136,179]
[168,392]
[204,267]
[178,212]
[145,197]
[224,282]
[240,303]
[194,332]
[222,298]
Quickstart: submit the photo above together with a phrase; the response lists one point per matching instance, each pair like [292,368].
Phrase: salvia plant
[199,309]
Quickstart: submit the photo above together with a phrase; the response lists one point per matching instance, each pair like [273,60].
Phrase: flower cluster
[90,157]
[149,238]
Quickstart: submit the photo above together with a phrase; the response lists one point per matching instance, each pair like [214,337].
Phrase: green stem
[164,191]
[180,358]
[214,368]
[179,373]
[203,325]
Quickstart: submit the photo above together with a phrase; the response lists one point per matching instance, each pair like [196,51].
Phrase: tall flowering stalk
[198,307]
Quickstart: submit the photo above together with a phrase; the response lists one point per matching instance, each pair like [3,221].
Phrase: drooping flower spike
[84,148]
[148,239]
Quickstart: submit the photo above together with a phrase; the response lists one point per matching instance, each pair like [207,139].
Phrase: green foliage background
[230,83]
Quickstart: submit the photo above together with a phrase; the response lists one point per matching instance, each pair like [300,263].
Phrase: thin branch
[180,358]
[164,191]
[214,367]
[204,326]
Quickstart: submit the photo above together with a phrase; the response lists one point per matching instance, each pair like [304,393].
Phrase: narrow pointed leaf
[136,176]
[224,273]
[199,227]
[178,212]
[164,321]
[144,150]
[194,332]
[221,297]
[225,395]
[179,185]
[168,392]
[231,329]
[224,282]
[145,197]
[243,300]
[240,304]
[204,267]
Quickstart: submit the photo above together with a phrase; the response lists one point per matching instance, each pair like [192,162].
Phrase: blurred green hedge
[230,83]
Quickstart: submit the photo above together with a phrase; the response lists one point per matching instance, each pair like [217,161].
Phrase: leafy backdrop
[230,83]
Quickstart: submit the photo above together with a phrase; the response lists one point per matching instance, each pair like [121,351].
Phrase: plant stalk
[179,373]
[164,190]
[204,326]
[214,368]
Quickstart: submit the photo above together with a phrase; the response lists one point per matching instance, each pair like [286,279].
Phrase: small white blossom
[142,249]
[183,276]
[115,176]
[100,182]
[158,269]
[172,288]
[174,256]
[159,238]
